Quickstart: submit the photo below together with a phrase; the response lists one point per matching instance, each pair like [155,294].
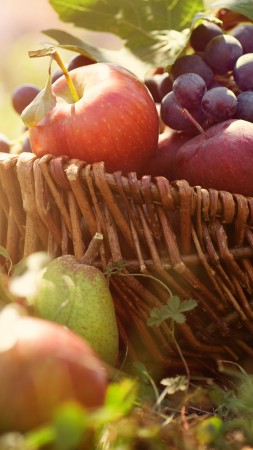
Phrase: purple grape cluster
[212,82]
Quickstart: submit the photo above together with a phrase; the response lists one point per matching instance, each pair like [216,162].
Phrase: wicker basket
[198,242]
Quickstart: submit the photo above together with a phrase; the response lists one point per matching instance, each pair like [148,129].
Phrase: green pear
[77,295]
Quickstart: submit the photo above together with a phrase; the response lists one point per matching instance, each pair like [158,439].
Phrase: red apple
[162,162]
[115,120]
[43,365]
[222,160]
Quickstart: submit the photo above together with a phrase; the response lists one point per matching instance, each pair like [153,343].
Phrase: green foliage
[153,32]
[114,268]
[72,424]
[209,430]
[69,427]
[243,7]
[132,21]
[174,310]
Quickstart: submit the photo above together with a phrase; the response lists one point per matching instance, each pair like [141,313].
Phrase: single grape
[23,95]
[158,85]
[222,52]
[165,85]
[189,89]
[79,61]
[173,116]
[4,143]
[244,33]
[245,106]
[243,72]
[192,64]
[219,104]
[202,34]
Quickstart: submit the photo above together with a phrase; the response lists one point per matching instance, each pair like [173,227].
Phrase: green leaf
[164,48]
[127,19]
[39,438]
[187,305]
[209,430]
[154,32]
[173,310]
[69,426]
[243,7]
[121,396]
[42,104]
[119,401]
[114,268]
[202,16]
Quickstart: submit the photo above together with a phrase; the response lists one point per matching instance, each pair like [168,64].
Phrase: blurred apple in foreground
[115,119]
[43,364]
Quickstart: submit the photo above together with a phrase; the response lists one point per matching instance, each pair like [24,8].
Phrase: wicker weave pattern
[197,241]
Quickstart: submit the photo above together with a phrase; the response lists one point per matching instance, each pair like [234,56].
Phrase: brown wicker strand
[73,173]
[185,211]
[75,217]
[56,194]
[242,214]
[44,204]
[11,187]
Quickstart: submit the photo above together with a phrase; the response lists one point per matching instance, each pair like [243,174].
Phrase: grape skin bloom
[222,52]
[189,89]
[245,106]
[244,34]
[173,116]
[219,104]
[243,72]
[192,64]
[202,34]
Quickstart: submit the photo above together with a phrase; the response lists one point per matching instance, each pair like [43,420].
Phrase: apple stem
[71,85]
[189,116]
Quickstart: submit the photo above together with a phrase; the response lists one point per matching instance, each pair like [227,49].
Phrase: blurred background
[21,26]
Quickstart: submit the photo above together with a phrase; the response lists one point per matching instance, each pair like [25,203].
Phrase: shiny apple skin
[47,365]
[115,120]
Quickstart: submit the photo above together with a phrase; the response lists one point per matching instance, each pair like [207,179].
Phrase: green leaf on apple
[153,33]
[43,103]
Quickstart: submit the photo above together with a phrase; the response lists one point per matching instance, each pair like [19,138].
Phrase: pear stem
[71,85]
[93,249]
